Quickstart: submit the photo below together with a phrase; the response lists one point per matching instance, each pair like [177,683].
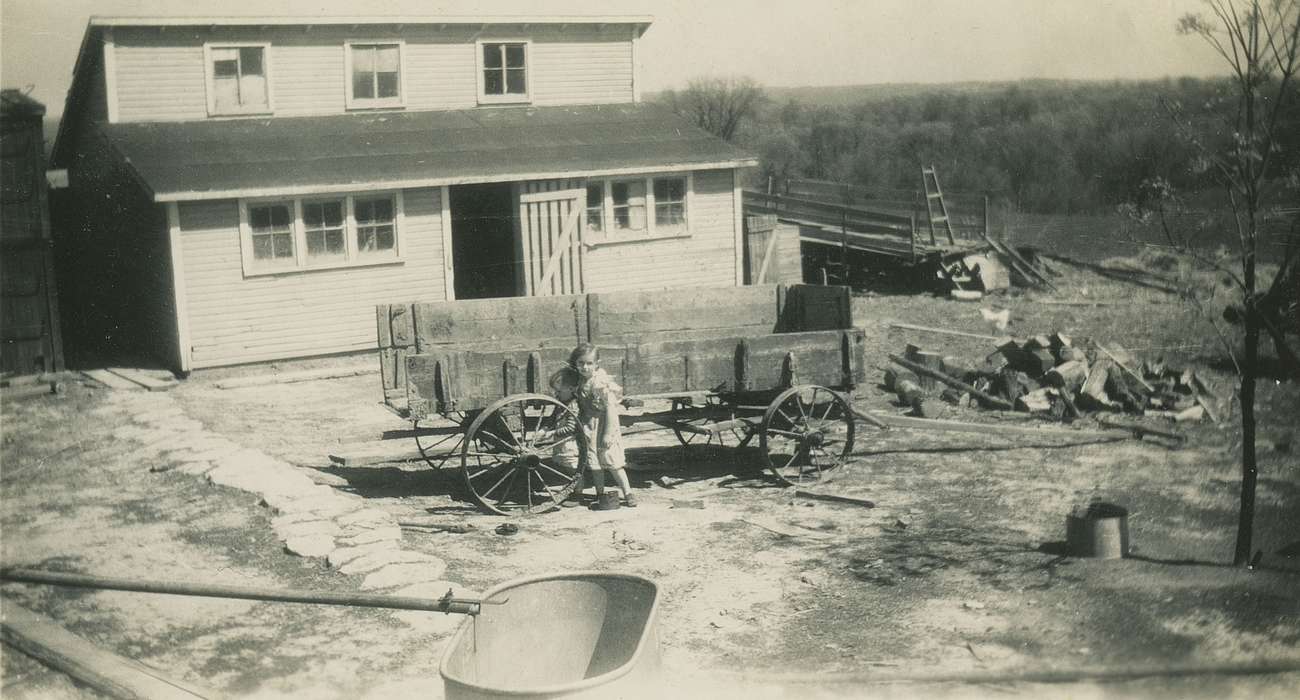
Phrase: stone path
[312,519]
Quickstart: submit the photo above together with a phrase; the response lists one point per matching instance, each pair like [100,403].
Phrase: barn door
[550,227]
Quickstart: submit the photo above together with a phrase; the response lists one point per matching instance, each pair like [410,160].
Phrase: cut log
[1094,386]
[1037,342]
[1036,362]
[909,393]
[1068,376]
[1012,384]
[930,408]
[992,401]
[1071,354]
[1195,413]
[1200,391]
[893,376]
[930,360]
[1039,401]
[1059,340]
[1118,358]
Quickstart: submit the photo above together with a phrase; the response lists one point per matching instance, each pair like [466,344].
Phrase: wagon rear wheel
[439,443]
[507,456]
[687,413]
[806,433]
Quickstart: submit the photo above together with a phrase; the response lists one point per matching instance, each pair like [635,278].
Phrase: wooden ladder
[934,202]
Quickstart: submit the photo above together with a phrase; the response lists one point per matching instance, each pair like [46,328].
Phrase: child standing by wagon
[566,453]
[599,398]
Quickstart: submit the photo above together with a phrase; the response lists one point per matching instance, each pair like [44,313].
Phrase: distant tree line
[1038,146]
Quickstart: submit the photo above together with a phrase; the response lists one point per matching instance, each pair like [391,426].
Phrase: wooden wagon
[771,365]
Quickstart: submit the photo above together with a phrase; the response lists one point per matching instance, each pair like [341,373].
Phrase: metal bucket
[1100,531]
[575,635]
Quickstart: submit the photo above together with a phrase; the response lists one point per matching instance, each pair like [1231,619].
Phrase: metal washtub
[572,635]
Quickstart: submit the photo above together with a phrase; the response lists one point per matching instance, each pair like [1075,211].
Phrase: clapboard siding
[161,76]
[234,319]
[704,259]
[572,73]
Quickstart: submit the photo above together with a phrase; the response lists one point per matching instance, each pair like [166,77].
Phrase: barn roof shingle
[220,159]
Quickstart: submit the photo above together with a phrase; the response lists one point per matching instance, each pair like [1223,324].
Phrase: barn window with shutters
[238,79]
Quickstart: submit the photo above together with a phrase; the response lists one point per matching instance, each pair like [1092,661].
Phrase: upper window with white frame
[503,71]
[375,74]
[627,209]
[238,79]
[315,233]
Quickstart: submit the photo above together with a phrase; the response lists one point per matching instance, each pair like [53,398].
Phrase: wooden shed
[29,308]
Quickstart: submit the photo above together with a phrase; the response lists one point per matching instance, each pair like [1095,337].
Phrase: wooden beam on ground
[106,672]
[942,331]
[291,377]
[144,379]
[989,399]
[362,454]
[932,425]
[835,499]
[111,380]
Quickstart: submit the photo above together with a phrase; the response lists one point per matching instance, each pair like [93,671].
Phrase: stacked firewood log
[1049,374]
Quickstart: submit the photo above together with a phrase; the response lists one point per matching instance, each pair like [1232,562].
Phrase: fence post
[986,217]
[911,241]
[844,246]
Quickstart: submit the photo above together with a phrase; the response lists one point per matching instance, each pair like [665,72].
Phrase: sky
[785,43]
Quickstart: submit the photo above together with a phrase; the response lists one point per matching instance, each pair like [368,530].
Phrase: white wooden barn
[249,189]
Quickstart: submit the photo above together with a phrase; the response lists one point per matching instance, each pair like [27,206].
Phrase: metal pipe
[445,604]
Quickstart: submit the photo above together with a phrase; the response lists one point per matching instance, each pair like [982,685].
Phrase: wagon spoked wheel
[682,412]
[437,448]
[807,433]
[507,458]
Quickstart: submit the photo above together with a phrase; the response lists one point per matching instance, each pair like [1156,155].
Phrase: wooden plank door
[550,228]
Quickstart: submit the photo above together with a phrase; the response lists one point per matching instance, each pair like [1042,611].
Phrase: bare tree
[1259,40]
[718,105]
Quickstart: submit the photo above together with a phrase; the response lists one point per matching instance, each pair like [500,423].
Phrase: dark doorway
[483,241]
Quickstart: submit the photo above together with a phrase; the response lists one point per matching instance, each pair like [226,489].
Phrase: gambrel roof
[219,159]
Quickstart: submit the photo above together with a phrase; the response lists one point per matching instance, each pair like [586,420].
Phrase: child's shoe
[629,500]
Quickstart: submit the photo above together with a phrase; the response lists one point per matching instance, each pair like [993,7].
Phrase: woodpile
[1053,375]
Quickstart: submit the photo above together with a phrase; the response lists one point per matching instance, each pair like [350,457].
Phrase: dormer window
[374,74]
[238,79]
[503,71]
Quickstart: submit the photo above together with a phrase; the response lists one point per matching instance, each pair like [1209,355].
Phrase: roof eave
[286,20]
[304,190]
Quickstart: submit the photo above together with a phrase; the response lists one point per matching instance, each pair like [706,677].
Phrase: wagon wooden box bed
[772,365]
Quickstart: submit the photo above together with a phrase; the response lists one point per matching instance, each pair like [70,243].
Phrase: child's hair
[566,378]
[582,351]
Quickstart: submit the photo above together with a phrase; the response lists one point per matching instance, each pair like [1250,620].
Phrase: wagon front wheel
[806,434]
[508,455]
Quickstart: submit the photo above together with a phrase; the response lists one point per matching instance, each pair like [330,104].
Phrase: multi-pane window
[322,222]
[238,80]
[595,207]
[629,205]
[647,207]
[271,228]
[320,233]
[375,224]
[505,70]
[376,74]
[670,201]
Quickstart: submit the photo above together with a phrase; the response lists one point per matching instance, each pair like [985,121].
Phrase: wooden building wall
[160,75]
[30,339]
[233,319]
[707,258]
[114,262]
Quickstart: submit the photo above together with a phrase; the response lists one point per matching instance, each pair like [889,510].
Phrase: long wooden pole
[461,606]
[989,399]
[111,674]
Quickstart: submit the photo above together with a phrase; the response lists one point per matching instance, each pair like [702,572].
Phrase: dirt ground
[958,569]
